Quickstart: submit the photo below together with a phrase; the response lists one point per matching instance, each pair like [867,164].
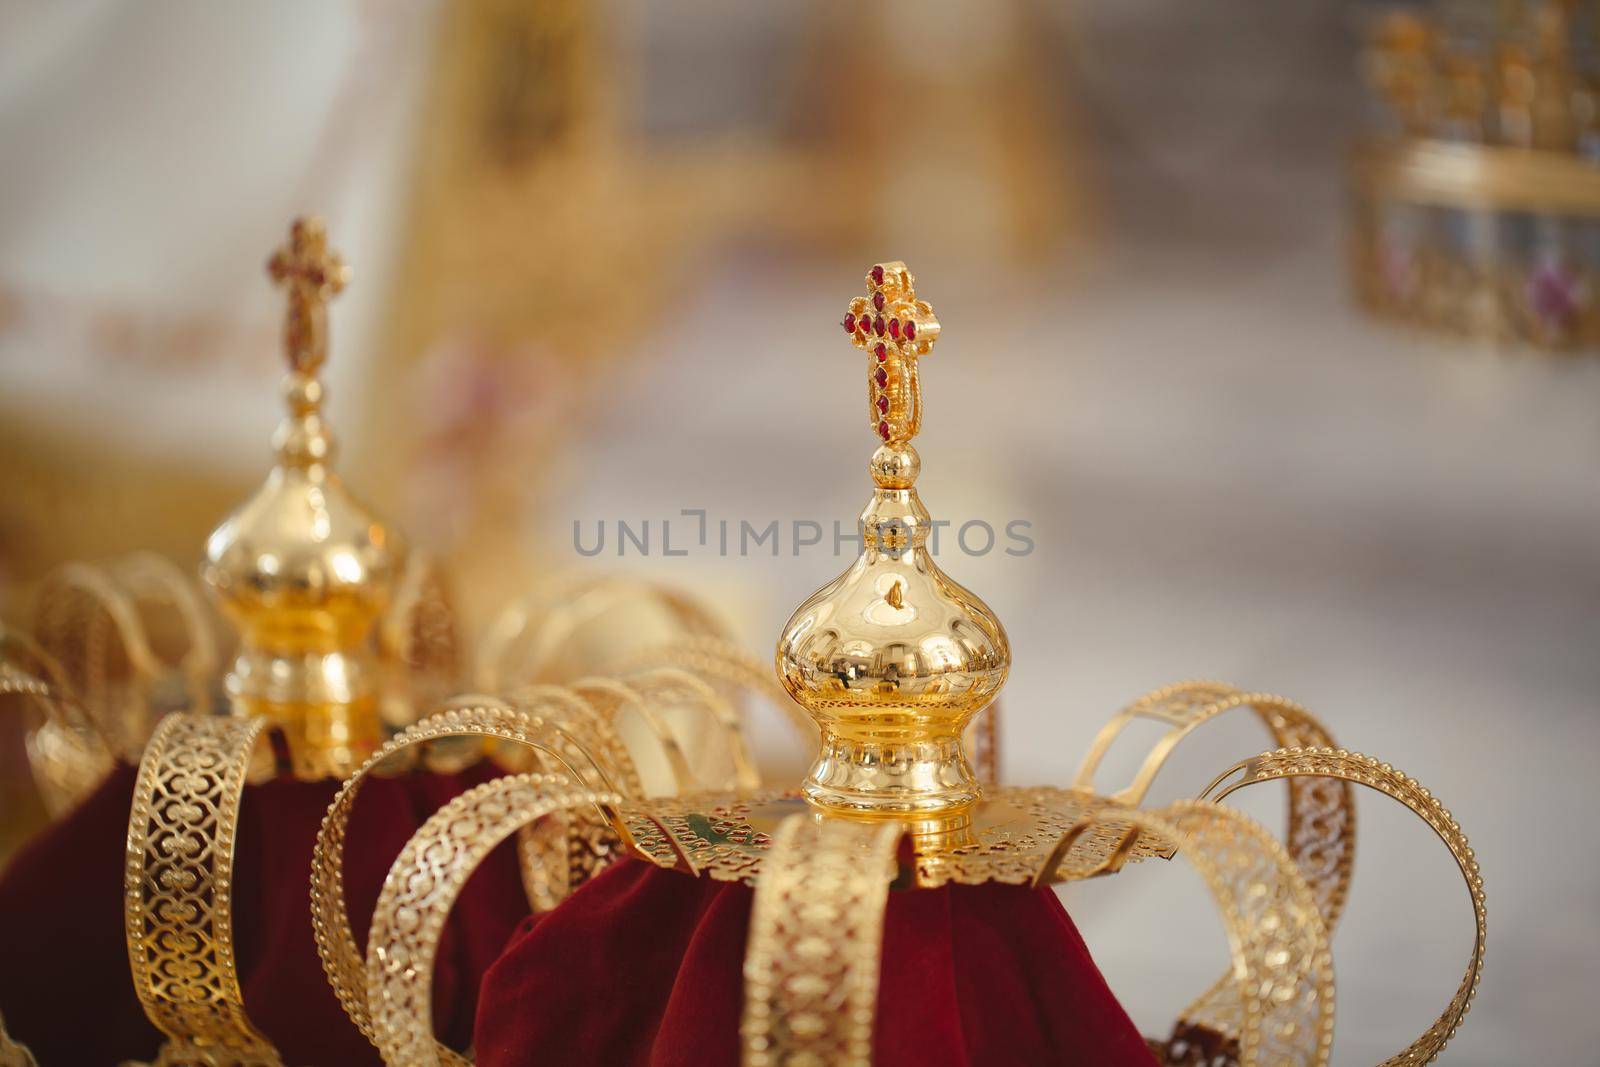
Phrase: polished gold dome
[893,658]
[301,568]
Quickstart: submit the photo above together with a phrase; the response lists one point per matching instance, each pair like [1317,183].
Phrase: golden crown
[893,660]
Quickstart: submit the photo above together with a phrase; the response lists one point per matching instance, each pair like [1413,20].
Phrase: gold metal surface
[67,750]
[1013,835]
[123,643]
[895,330]
[178,890]
[821,877]
[549,723]
[1355,768]
[1280,984]
[893,659]
[422,887]
[13,1054]
[564,838]
[812,960]
[1321,830]
[301,568]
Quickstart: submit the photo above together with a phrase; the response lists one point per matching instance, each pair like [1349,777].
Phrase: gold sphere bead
[302,392]
[895,466]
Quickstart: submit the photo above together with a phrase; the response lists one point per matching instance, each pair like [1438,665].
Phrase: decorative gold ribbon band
[1321,831]
[718,659]
[178,890]
[1280,984]
[420,890]
[552,734]
[816,937]
[1320,835]
[1352,767]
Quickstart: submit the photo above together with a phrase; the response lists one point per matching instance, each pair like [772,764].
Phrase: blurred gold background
[599,252]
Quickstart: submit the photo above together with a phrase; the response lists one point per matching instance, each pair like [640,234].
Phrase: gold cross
[894,328]
[312,275]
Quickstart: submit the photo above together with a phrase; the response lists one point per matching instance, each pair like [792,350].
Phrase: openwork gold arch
[472,717]
[422,887]
[1321,830]
[1354,768]
[67,751]
[562,851]
[178,889]
[675,687]
[614,698]
[815,950]
[527,640]
[1281,978]
[719,659]
[149,578]
[76,591]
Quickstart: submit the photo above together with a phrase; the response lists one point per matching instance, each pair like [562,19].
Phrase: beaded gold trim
[816,932]
[420,890]
[552,734]
[1352,767]
[1321,832]
[817,920]
[1321,828]
[1280,985]
[721,660]
[178,889]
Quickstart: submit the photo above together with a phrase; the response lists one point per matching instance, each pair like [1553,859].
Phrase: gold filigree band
[421,888]
[673,687]
[1320,833]
[717,659]
[816,941]
[1280,985]
[1010,836]
[552,734]
[178,889]
[1352,767]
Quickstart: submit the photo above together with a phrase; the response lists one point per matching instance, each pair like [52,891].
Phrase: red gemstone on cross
[849,323]
[894,329]
[877,301]
[882,377]
[881,351]
[911,330]
[877,275]
[877,325]
[883,430]
[883,405]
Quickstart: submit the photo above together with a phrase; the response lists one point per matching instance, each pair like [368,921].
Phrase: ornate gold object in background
[822,859]
[1476,213]
[301,568]
[893,659]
